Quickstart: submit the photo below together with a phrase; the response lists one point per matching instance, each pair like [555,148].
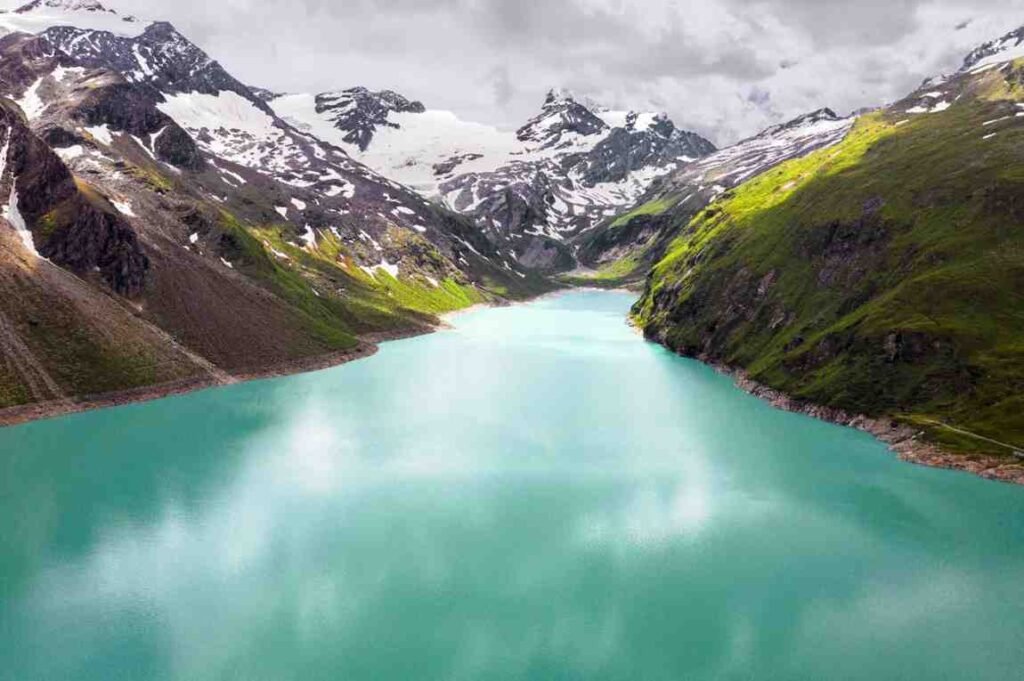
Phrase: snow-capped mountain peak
[561,122]
[568,167]
[1007,48]
[40,15]
[820,118]
[360,112]
[733,165]
[234,128]
[64,5]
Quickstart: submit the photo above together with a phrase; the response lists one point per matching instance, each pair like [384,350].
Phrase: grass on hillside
[906,234]
[654,207]
[338,298]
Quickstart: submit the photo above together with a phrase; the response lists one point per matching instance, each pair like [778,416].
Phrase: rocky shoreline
[367,347]
[903,440]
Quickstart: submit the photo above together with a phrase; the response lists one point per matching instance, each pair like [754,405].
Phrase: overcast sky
[726,68]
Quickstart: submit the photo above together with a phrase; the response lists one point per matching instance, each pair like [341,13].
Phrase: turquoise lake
[536,493]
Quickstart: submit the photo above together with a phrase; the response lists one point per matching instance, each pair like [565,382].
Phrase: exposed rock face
[123,107]
[100,240]
[1009,45]
[69,227]
[801,125]
[264,94]
[626,149]
[70,5]
[697,184]
[160,58]
[359,112]
[561,118]
[588,171]
[91,98]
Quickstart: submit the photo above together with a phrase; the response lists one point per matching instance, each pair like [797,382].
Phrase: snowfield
[86,14]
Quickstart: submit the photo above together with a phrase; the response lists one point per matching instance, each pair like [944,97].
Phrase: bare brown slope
[60,336]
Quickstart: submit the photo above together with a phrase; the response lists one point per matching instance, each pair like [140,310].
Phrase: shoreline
[901,439]
[505,302]
[368,346]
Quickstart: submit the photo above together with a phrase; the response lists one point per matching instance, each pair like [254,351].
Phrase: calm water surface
[536,494]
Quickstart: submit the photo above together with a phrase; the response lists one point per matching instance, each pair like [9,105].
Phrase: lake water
[535,494]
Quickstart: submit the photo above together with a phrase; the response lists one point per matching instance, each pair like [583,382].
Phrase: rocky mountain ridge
[568,167]
[625,247]
[995,52]
[361,112]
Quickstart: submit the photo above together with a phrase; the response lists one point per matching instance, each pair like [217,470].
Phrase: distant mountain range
[533,189]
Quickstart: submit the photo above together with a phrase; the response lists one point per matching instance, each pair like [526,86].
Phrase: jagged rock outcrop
[560,121]
[71,225]
[1010,46]
[159,58]
[359,112]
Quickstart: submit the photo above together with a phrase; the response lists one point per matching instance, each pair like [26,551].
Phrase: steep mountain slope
[59,334]
[558,175]
[625,247]
[231,122]
[882,275]
[173,229]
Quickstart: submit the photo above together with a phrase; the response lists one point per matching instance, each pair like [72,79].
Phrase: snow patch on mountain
[1007,48]
[10,211]
[384,266]
[748,158]
[233,128]
[562,172]
[69,154]
[412,146]
[124,207]
[224,111]
[101,133]
[41,15]
[30,102]
[309,237]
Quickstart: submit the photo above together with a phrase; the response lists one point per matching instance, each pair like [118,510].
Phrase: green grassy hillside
[884,275]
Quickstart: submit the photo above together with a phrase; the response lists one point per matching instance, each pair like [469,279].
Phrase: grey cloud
[864,22]
[709,63]
[503,86]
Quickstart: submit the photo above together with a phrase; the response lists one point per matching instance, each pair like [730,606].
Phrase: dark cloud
[709,63]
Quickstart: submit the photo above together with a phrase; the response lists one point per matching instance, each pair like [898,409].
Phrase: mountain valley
[172,226]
